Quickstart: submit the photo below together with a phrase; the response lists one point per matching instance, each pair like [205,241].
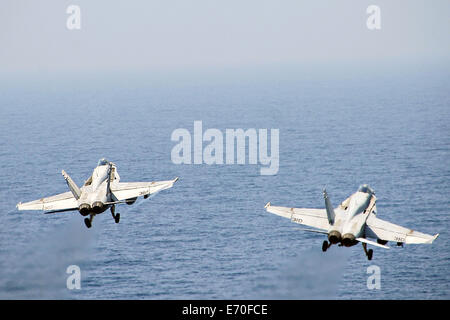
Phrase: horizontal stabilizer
[62,210]
[312,230]
[373,243]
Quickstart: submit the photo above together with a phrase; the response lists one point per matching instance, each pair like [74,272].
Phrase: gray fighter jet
[352,222]
[99,193]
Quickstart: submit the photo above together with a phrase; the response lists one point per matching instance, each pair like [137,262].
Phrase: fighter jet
[100,192]
[353,221]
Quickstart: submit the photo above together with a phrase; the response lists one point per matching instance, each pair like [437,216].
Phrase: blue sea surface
[209,237]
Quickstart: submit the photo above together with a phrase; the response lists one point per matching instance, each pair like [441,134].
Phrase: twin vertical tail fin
[330,211]
[111,173]
[72,185]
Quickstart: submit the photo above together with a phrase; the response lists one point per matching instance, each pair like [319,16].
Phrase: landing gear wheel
[117,217]
[87,222]
[369,254]
[324,246]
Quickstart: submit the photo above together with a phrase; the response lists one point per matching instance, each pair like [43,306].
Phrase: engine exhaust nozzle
[334,236]
[348,240]
[84,209]
[97,207]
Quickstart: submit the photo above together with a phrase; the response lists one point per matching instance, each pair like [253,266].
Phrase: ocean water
[209,237]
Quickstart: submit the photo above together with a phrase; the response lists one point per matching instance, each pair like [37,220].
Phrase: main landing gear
[116,216]
[369,253]
[325,245]
[88,221]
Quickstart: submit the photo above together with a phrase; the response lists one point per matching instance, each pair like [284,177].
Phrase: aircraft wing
[377,228]
[316,218]
[64,201]
[129,190]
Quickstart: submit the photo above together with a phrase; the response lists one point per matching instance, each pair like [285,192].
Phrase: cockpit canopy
[366,189]
[102,162]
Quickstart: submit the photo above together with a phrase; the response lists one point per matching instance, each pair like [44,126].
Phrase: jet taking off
[100,192]
[352,222]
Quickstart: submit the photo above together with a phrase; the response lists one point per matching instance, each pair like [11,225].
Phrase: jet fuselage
[351,218]
[95,193]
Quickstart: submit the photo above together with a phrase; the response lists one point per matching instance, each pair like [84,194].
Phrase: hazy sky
[176,34]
